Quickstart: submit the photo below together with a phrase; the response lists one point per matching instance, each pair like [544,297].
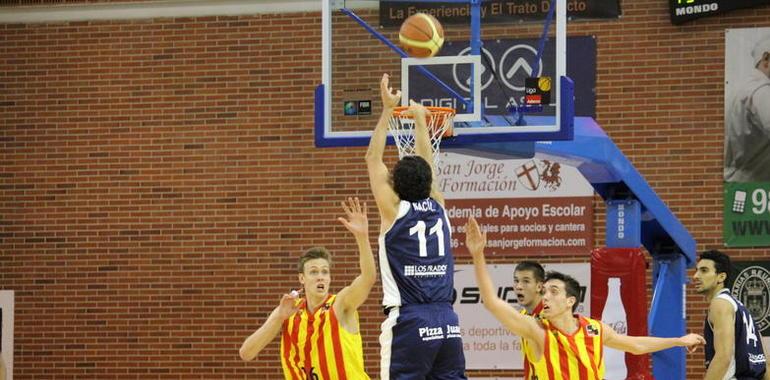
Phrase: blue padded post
[667,316]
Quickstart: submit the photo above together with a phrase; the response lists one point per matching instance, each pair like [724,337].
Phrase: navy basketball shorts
[421,341]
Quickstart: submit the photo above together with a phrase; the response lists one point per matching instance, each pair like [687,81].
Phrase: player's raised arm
[517,323]
[423,146]
[379,177]
[265,334]
[353,295]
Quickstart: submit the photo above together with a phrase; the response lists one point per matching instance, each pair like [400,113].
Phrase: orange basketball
[421,35]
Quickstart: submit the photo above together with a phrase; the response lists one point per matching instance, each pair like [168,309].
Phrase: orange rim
[445,111]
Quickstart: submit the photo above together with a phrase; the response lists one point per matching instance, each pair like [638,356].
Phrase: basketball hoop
[440,124]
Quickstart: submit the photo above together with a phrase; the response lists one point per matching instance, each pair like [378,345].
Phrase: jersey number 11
[437,229]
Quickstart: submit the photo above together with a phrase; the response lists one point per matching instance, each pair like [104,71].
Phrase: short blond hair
[312,254]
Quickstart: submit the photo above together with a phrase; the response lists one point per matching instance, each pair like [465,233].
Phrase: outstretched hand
[389,98]
[288,305]
[475,240]
[417,111]
[357,222]
[692,342]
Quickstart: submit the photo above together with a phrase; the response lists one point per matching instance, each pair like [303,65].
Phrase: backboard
[517,90]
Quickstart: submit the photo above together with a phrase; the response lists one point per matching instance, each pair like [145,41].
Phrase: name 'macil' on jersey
[416,256]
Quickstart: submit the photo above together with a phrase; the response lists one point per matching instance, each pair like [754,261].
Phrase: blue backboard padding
[608,170]
[497,151]
[565,132]
[318,113]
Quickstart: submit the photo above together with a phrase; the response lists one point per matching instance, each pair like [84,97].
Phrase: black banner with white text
[688,10]
[393,13]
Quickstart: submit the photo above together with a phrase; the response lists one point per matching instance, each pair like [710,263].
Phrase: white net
[440,124]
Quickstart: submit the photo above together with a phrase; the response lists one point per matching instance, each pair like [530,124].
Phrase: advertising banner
[527,207]
[688,10]
[507,62]
[746,217]
[393,13]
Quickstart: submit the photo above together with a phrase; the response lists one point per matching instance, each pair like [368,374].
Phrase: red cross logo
[528,175]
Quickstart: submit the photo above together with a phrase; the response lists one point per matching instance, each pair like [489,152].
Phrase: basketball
[421,35]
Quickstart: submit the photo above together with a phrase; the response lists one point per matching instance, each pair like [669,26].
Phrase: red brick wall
[159,179]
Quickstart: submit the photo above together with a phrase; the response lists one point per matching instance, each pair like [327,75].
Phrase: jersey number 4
[437,229]
[751,335]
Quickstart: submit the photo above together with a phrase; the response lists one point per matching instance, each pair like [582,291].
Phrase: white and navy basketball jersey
[749,360]
[416,256]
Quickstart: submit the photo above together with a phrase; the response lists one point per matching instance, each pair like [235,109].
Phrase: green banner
[746,214]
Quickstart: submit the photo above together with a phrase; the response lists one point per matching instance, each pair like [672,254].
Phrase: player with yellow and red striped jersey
[315,346]
[320,336]
[570,345]
[528,278]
